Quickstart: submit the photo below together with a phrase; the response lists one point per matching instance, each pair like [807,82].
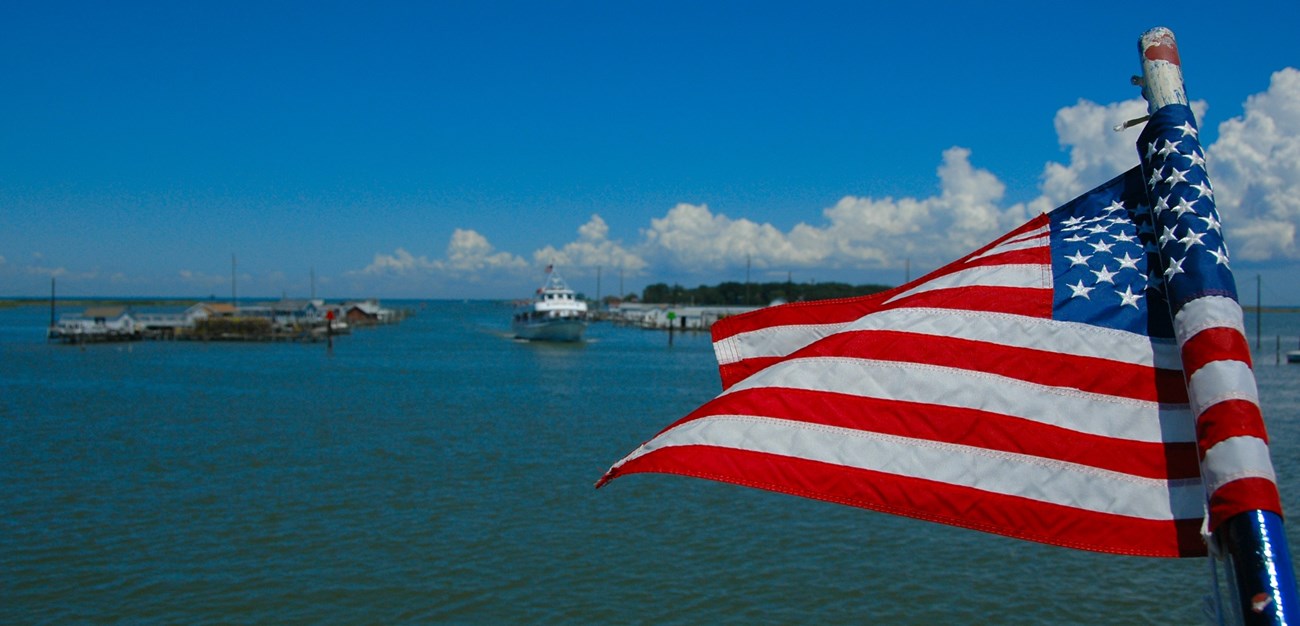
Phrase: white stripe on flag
[1205,313]
[1011,474]
[773,341]
[1028,275]
[1217,381]
[1016,331]
[1091,413]
[1236,458]
[1033,239]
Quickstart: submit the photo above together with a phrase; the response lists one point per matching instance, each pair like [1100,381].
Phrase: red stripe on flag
[840,311]
[966,507]
[733,373]
[845,310]
[968,427]
[1037,366]
[1038,223]
[1239,496]
[1228,419]
[1214,344]
[1038,255]
[1014,300]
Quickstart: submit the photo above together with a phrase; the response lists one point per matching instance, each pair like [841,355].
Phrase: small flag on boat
[1037,388]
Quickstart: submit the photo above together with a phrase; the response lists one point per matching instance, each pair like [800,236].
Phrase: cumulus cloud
[468,254]
[693,236]
[1096,152]
[857,231]
[399,262]
[965,214]
[1255,170]
[1254,163]
[1255,166]
[592,249]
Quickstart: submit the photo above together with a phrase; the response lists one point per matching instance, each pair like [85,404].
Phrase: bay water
[438,471]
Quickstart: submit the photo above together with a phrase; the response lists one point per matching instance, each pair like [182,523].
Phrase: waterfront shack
[113,323]
[172,324]
[665,316]
[369,313]
[283,320]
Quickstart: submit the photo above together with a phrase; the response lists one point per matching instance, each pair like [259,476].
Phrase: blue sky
[453,149]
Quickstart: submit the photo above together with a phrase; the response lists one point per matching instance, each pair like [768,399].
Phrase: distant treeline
[741,294]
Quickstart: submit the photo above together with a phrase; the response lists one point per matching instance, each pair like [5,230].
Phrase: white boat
[1293,356]
[553,314]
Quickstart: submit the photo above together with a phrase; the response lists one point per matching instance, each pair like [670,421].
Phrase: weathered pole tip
[1161,69]
[1158,44]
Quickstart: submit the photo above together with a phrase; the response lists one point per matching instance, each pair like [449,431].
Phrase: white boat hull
[551,330]
[555,313]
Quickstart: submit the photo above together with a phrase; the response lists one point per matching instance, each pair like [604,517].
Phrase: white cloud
[468,255]
[1096,152]
[1255,166]
[470,252]
[593,249]
[399,262]
[964,215]
[859,232]
[1255,169]
[691,236]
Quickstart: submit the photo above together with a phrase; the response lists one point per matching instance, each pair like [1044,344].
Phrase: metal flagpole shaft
[1253,541]
[1265,585]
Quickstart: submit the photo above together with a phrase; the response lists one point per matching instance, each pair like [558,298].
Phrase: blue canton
[1125,251]
[1105,264]
[1193,256]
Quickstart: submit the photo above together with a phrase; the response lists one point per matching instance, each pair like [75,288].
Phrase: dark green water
[439,472]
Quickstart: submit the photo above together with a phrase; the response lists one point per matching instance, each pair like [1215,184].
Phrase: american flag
[1197,282]
[1034,388]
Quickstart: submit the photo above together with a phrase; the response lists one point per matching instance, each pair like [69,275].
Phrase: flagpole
[1253,542]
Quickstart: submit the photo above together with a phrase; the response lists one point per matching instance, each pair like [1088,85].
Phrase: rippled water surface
[439,472]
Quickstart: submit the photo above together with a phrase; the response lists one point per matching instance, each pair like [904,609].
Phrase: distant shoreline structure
[105,320]
[13,302]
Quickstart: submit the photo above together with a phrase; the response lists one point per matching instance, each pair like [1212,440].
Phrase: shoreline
[11,303]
